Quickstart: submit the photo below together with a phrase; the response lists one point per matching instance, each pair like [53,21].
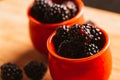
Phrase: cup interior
[53,53]
[72,20]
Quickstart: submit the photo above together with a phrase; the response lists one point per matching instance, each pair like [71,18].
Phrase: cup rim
[55,55]
[79,13]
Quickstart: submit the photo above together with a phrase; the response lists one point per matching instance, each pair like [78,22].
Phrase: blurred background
[110,5]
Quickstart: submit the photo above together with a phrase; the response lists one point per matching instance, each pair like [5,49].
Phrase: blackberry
[57,13]
[81,32]
[70,49]
[98,38]
[86,29]
[74,31]
[97,34]
[61,35]
[90,50]
[71,7]
[11,71]
[62,31]
[35,70]
[39,8]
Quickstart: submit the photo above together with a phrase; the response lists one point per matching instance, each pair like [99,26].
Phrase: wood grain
[16,46]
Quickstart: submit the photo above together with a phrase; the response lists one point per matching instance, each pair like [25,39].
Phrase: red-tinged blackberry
[61,35]
[35,70]
[86,29]
[11,71]
[94,31]
[72,8]
[79,31]
[97,36]
[90,50]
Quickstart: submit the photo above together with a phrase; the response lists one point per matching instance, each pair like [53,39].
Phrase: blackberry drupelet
[90,50]
[35,70]
[11,71]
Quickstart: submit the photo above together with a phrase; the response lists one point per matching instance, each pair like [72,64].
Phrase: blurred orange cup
[39,32]
[96,67]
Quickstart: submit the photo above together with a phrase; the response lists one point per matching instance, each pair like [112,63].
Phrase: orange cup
[39,32]
[96,67]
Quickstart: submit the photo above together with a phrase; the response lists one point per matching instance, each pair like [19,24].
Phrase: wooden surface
[16,46]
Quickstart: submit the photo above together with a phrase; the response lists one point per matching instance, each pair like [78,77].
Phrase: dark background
[110,5]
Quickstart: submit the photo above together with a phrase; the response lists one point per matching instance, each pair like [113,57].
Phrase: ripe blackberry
[81,32]
[11,71]
[97,34]
[35,70]
[90,50]
[61,35]
[39,8]
[70,49]
[86,28]
[98,38]
[72,8]
[74,30]
[57,13]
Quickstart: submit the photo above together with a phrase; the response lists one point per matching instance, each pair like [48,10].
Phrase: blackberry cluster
[11,71]
[48,12]
[35,70]
[78,41]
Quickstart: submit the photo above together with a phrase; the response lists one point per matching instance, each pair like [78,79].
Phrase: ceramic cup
[96,67]
[39,32]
